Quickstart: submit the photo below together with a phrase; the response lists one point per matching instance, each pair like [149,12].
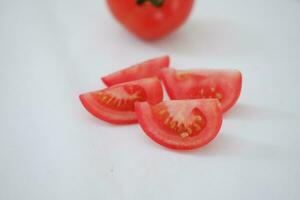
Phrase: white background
[51,148]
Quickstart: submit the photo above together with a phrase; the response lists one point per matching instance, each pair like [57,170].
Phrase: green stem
[156,3]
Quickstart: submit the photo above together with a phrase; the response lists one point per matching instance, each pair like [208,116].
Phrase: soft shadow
[87,118]
[223,144]
[247,111]
[219,146]
[208,36]
[230,145]
[93,121]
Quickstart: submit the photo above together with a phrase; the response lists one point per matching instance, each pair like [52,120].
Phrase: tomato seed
[184,134]
[219,96]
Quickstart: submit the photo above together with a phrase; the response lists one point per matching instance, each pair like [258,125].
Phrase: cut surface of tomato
[181,124]
[116,104]
[224,85]
[141,70]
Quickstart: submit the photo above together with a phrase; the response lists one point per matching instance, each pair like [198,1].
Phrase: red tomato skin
[150,22]
[169,82]
[154,93]
[148,125]
[141,70]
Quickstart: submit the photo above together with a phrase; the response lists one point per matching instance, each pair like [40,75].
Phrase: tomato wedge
[224,85]
[145,69]
[181,124]
[116,104]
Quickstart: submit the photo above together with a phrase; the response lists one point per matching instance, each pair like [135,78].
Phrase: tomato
[151,19]
[141,70]
[181,124]
[116,104]
[225,85]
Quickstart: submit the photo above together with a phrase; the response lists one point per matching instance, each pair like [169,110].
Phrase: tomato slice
[145,69]
[181,124]
[116,104]
[224,85]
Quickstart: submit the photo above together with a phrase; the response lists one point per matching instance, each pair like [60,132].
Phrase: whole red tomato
[151,19]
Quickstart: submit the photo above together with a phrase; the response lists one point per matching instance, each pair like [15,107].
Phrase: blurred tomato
[151,19]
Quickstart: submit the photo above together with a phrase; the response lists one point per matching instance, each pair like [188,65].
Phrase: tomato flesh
[173,122]
[224,85]
[141,70]
[181,124]
[121,98]
[116,104]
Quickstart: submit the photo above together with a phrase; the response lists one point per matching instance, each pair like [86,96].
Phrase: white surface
[51,148]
